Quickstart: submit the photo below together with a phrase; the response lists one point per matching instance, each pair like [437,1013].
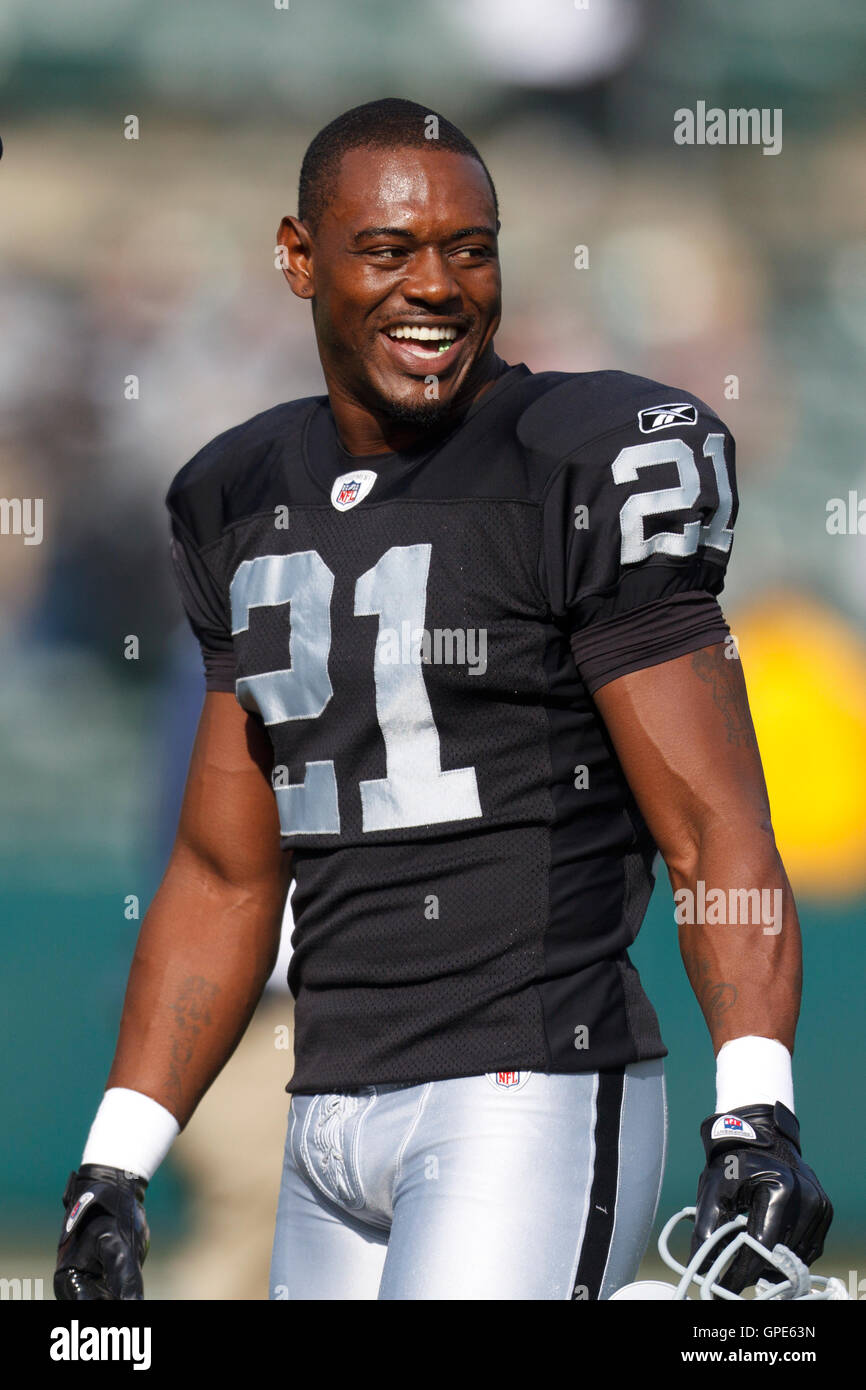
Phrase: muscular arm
[209,941]
[684,736]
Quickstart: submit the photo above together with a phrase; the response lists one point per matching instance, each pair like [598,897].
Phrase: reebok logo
[662,417]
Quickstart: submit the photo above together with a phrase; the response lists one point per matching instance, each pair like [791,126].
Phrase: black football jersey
[422,634]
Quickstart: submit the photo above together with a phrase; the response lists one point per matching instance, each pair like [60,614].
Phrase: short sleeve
[205,608]
[631,519]
[646,636]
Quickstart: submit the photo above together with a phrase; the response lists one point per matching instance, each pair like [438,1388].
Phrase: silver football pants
[514,1185]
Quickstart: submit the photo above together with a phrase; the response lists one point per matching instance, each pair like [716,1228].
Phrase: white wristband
[753,1071]
[130,1131]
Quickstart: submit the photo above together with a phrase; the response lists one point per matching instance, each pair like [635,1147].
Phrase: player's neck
[363,430]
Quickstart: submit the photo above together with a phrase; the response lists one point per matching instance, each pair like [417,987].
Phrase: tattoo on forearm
[191,1013]
[729,693]
[715,997]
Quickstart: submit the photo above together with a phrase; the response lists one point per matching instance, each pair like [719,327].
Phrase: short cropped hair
[390,123]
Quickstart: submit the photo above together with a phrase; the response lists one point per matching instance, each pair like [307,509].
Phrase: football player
[466,673]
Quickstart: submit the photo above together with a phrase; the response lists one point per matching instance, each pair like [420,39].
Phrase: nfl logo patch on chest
[351,488]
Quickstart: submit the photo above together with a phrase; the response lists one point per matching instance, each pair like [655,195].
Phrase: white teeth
[423,335]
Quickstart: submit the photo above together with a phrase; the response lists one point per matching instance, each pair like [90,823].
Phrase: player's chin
[414,407]
[419,391]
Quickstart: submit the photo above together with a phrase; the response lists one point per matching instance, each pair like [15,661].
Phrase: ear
[296,254]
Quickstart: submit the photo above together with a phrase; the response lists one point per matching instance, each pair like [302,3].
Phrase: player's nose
[430,279]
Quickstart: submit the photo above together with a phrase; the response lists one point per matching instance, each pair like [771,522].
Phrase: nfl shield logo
[351,488]
[508,1080]
[348,492]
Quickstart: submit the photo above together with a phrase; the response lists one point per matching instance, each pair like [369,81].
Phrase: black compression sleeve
[647,636]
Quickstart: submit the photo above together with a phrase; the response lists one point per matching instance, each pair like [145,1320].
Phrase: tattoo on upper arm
[191,1013]
[729,693]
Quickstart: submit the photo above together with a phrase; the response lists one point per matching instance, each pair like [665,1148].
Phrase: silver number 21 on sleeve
[636,545]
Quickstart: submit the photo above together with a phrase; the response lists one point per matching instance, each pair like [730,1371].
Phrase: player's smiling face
[405,281]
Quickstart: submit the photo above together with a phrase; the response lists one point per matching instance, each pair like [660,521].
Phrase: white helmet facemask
[796,1281]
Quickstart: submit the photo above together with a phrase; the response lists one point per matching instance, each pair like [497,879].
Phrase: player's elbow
[743,843]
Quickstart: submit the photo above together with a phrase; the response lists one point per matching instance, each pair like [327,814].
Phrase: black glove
[769,1183]
[105,1236]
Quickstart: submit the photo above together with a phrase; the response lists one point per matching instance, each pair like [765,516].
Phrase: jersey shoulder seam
[209,457]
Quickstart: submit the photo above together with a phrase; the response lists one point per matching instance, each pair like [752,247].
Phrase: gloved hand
[105,1236]
[754,1167]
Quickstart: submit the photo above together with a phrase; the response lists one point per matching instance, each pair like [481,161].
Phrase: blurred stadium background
[154,257]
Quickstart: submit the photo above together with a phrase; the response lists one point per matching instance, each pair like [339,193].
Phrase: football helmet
[723,1244]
